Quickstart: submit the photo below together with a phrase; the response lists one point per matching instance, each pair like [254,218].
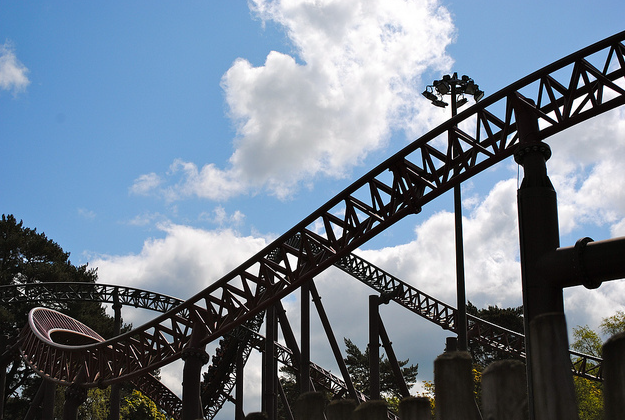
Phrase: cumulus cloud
[354,77]
[490,249]
[182,263]
[13,74]
[587,172]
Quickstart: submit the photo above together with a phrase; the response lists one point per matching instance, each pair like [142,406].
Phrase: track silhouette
[565,93]
[218,391]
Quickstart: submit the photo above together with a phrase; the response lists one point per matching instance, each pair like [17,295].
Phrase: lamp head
[442,86]
[429,95]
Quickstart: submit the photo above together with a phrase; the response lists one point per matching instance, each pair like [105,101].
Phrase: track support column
[194,357]
[117,326]
[374,347]
[75,395]
[270,367]
[539,239]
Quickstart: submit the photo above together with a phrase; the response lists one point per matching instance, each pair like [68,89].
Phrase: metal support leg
[3,380]
[390,353]
[75,395]
[194,357]
[374,347]
[333,343]
[269,398]
[238,403]
[304,367]
[539,238]
[49,394]
[114,399]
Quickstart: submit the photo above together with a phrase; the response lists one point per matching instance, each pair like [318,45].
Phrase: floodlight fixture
[461,102]
[454,86]
[430,95]
[442,86]
[470,87]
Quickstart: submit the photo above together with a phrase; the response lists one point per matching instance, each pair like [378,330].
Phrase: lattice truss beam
[565,93]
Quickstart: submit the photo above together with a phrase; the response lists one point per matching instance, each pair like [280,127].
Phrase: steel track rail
[565,93]
[409,297]
[137,298]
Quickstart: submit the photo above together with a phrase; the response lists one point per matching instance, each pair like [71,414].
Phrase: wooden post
[504,391]
[554,391]
[453,383]
[614,377]
[415,408]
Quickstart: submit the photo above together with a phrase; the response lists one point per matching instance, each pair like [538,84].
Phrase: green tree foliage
[357,363]
[589,395]
[585,340]
[137,406]
[27,256]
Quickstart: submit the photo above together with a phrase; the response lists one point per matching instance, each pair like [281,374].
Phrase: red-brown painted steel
[398,187]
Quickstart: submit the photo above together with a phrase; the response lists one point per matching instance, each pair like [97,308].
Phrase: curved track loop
[565,93]
[214,392]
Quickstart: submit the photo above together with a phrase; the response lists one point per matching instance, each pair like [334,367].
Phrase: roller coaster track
[54,293]
[409,297]
[563,94]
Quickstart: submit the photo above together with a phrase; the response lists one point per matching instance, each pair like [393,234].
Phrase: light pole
[456,88]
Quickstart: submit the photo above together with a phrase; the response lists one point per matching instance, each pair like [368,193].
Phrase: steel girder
[565,93]
[422,304]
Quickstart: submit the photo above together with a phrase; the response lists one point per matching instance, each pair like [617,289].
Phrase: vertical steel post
[114,399]
[75,395]
[3,378]
[374,347]
[3,371]
[194,357]
[461,299]
[304,367]
[539,237]
[238,399]
[49,394]
[269,402]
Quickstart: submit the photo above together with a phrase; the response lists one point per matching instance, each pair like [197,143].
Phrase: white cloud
[587,172]
[145,183]
[354,79]
[220,217]
[182,263]
[13,74]
[490,252]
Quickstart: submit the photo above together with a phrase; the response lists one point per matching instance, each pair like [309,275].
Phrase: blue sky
[167,142]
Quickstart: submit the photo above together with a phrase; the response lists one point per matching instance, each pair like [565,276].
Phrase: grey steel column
[461,299]
[539,238]
[194,357]
[269,398]
[374,347]
[238,399]
[304,366]
[114,399]
[75,395]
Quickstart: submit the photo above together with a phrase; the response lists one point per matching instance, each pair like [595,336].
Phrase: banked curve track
[561,95]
